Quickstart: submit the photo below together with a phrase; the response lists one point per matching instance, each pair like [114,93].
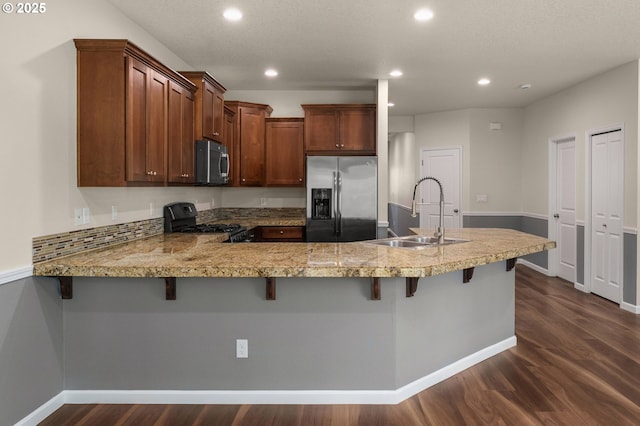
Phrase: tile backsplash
[66,243]
[52,246]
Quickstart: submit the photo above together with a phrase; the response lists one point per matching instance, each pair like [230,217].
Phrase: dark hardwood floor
[577,362]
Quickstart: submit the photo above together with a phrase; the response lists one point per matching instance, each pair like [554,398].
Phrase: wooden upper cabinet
[284,152]
[340,129]
[209,100]
[228,133]
[180,167]
[249,142]
[123,114]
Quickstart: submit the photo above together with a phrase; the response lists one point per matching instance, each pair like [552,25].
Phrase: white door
[446,166]
[565,209]
[607,178]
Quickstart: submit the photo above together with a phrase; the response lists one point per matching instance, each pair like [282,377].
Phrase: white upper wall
[495,157]
[286,103]
[605,100]
[38,121]
[444,130]
[402,176]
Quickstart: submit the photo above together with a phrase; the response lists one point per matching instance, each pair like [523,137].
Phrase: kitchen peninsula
[350,323]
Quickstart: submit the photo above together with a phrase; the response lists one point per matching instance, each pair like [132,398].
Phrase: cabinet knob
[337,146]
[281,232]
[216,133]
[300,180]
[342,146]
[244,180]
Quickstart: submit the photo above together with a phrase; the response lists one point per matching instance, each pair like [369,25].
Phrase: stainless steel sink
[414,242]
[432,240]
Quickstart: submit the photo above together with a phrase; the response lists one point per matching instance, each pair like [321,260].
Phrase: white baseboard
[631,308]
[450,370]
[15,274]
[44,411]
[534,266]
[266,397]
[581,287]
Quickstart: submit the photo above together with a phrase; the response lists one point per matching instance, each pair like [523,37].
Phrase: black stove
[181,217]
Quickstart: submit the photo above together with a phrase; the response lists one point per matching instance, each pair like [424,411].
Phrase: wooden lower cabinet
[284,152]
[278,234]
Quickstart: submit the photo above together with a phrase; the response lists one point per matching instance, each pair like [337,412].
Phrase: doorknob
[604,224]
[556,215]
[455,210]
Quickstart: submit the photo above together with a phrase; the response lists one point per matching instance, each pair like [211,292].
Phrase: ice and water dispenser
[320,203]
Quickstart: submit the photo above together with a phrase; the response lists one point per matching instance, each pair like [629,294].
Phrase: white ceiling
[346,44]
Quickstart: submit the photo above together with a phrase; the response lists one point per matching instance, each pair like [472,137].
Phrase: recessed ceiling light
[395,73]
[423,15]
[271,72]
[525,86]
[232,14]
[484,81]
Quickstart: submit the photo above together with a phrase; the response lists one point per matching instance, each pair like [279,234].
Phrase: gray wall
[320,333]
[400,221]
[31,356]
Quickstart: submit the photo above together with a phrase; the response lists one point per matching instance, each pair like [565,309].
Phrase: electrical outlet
[263,202]
[86,215]
[114,212]
[150,209]
[481,198]
[242,348]
[78,216]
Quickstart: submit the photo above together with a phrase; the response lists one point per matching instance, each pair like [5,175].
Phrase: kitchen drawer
[281,233]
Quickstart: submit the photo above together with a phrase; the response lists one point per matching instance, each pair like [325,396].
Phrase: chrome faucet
[439,234]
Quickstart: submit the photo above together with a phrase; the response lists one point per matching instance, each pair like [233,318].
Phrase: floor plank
[577,362]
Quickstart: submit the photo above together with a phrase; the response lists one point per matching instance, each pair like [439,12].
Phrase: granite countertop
[204,255]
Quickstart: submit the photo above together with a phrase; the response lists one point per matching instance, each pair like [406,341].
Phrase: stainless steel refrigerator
[342,198]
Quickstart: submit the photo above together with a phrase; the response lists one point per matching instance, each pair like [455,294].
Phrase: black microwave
[212,163]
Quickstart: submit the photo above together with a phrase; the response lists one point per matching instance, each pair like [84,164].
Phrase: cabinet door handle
[216,133]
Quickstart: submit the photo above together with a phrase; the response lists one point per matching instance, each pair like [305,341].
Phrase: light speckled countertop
[204,255]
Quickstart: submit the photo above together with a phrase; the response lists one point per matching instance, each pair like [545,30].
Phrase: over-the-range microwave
[212,163]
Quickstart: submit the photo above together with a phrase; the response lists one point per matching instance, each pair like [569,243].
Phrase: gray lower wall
[320,333]
[400,221]
[630,287]
[31,349]
[630,247]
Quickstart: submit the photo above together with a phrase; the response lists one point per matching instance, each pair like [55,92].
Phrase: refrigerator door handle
[335,203]
[339,205]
